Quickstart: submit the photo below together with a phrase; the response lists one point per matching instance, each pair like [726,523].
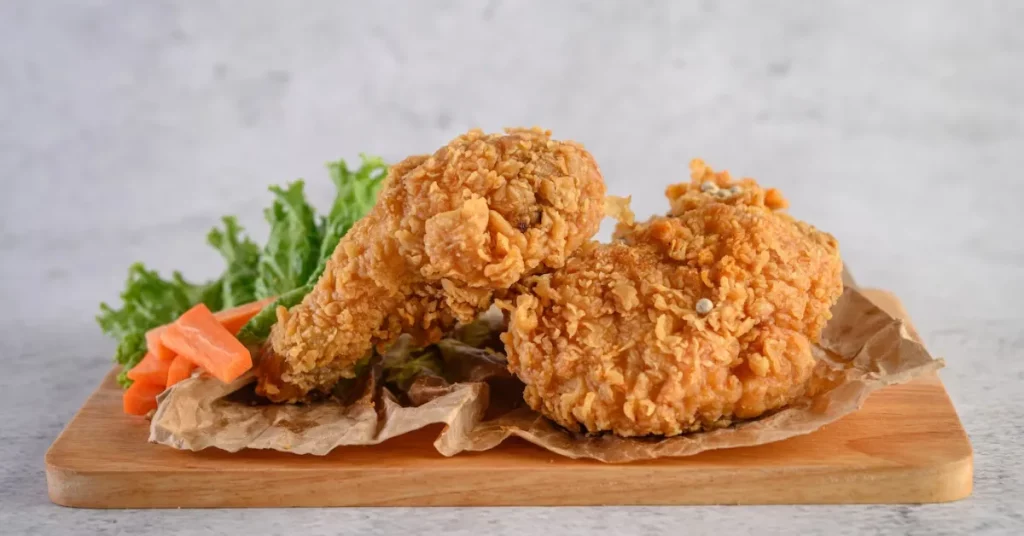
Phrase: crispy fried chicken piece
[614,340]
[449,232]
[707,184]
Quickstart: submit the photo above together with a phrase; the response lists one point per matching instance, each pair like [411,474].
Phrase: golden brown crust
[449,230]
[686,196]
[613,341]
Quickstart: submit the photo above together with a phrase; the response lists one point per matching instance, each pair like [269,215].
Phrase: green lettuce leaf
[237,286]
[356,194]
[425,361]
[257,329]
[294,257]
[292,249]
[130,350]
[149,301]
[404,361]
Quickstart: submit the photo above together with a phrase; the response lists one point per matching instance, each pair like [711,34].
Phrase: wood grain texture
[905,446]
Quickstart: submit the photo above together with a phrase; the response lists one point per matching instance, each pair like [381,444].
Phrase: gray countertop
[128,128]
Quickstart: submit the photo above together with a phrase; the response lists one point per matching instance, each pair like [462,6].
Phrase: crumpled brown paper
[862,349]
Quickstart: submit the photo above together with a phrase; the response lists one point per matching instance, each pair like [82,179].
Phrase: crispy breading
[685,196]
[448,232]
[613,341]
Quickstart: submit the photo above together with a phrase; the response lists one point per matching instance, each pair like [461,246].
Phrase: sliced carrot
[140,398]
[151,370]
[234,319]
[181,368]
[200,338]
[157,348]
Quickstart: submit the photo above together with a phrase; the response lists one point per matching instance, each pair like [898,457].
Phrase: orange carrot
[157,348]
[140,398]
[200,338]
[234,319]
[181,368]
[151,370]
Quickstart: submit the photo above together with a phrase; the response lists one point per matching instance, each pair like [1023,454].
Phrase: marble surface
[128,128]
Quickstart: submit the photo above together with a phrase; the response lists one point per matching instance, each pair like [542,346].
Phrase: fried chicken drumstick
[449,231]
[685,322]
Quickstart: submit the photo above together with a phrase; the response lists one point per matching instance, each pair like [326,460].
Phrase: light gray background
[128,128]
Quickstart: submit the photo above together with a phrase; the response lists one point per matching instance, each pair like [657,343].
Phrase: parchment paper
[862,349]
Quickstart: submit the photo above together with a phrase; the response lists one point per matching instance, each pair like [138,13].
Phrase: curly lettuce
[149,301]
[356,194]
[238,283]
[257,329]
[294,256]
[292,249]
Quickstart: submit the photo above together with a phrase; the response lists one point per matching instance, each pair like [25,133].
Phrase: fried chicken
[708,185]
[450,232]
[616,340]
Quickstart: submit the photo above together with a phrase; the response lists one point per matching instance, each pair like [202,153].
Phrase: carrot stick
[140,398]
[157,348]
[181,368]
[233,319]
[151,370]
[200,338]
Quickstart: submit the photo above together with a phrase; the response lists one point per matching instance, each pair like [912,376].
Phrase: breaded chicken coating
[707,185]
[686,322]
[449,231]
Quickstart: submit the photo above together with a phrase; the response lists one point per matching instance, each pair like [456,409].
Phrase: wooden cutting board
[905,446]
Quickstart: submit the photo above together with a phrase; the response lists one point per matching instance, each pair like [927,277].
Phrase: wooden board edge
[59,478]
[955,479]
[949,480]
[60,488]
[945,483]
